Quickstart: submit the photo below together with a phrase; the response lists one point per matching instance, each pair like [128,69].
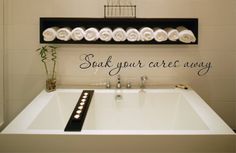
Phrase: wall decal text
[89,61]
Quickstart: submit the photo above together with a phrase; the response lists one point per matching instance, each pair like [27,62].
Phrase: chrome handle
[129,85]
[143,79]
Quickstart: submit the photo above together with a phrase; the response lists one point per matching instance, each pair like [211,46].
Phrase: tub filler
[138,120]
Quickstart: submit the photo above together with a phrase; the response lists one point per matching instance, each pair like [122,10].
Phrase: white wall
[1,62]
[217,37]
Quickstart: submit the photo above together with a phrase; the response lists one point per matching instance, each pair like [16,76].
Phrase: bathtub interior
[142,110]
[57,112]
[136,109]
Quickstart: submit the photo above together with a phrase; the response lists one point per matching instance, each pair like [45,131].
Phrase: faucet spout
[118,85]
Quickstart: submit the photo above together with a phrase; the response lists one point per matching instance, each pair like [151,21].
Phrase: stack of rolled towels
[120,34]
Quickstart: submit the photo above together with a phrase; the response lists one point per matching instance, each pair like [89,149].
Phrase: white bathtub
[138,112]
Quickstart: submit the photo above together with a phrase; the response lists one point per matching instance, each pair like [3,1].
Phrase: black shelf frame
[190,23]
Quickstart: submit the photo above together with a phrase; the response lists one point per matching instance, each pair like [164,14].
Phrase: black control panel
[79,113]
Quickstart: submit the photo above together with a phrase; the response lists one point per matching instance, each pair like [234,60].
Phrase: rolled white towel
[50,34]
[146,34]
[119,34]
[133,35]
[173,34]
[64,34]
[160,35]
[91,34]
[185,35]
[105,34]
[77,34]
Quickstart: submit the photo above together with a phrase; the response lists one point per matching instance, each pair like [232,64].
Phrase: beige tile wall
[217,34]
[1,62]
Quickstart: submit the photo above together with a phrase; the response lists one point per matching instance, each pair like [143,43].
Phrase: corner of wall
[1,64]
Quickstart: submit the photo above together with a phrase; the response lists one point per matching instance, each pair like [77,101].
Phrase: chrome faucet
[143,80]
[118,85]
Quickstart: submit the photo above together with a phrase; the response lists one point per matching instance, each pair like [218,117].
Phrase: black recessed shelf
[138,23]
